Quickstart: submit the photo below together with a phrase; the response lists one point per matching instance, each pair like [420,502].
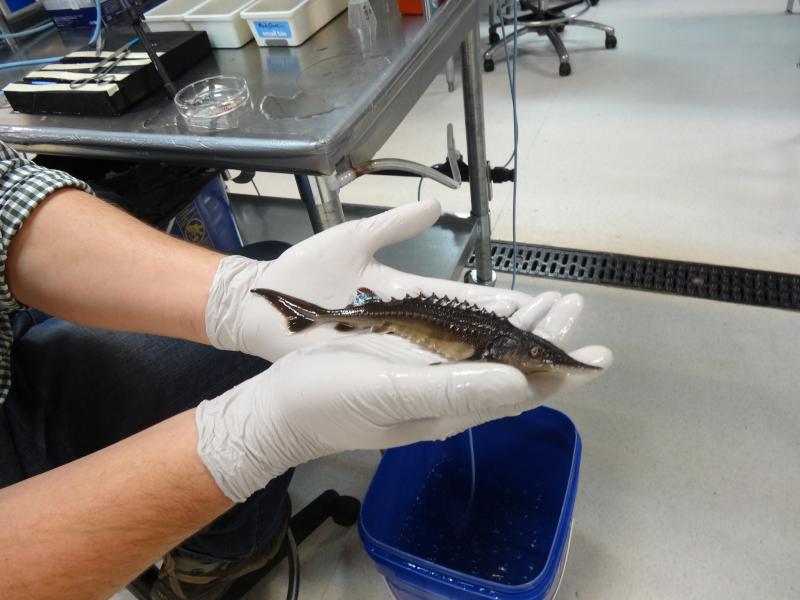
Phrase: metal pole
[476,153]
[321,196]
[142,32]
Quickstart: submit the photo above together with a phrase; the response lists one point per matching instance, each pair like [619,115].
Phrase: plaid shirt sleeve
[23,185]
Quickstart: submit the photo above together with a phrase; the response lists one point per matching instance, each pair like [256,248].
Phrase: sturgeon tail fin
[299,314]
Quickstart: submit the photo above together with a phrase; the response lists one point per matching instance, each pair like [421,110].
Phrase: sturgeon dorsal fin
[364,296]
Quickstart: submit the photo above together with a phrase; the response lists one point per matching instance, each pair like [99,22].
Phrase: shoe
[189,578]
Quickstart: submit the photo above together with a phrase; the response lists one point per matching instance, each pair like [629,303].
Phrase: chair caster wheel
[346,511]
[595,2]
[564,69]
[494,38]
[488,65]
[611,41]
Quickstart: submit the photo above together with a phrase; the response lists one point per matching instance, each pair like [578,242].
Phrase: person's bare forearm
[86,529]
[81,259]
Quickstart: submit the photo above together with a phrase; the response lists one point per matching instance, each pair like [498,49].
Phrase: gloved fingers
[561,319]
[528,316]
[397,224]
[597,356]
[441,428]
[452,389]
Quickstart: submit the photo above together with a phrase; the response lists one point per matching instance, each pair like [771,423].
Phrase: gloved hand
[329,267]
[364,391]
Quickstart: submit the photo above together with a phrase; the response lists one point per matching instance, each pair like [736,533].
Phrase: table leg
[320,194]
[476,155]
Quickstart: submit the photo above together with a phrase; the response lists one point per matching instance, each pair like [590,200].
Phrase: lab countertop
[337,97]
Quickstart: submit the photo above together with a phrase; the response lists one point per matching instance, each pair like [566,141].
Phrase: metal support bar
[476,153]
[561,49]
[321,196]
[593,25]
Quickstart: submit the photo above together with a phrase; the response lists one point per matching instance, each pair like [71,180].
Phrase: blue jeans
[75,390]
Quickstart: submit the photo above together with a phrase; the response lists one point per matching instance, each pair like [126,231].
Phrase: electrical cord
[98,22]
[52,59]
[293,591]
[27,32]
[31,62]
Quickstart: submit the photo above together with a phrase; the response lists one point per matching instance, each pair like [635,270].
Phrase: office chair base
[536,22]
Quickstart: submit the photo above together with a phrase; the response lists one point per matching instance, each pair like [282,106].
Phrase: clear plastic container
[214,103]
[222,21]
[289,22]
[169,15]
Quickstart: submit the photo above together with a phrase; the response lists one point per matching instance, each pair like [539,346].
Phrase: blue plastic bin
[510,543]
[208,219]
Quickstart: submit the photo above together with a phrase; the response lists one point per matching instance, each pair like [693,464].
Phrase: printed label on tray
[276,30]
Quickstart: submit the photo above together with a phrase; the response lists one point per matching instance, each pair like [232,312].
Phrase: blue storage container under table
[432,538]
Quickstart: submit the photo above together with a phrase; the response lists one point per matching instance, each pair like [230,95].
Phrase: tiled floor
[681,143]
[688,486]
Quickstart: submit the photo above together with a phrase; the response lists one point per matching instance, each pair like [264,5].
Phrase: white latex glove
[329,267]
[324,399]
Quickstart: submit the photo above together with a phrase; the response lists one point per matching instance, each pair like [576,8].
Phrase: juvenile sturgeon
[454,329]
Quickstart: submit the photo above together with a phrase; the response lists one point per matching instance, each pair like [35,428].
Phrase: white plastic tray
[220,19]
[169,15]
[289,22]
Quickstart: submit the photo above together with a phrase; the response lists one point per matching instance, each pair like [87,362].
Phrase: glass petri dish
[213,103]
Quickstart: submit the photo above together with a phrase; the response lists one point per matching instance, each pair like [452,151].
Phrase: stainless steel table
[317,109]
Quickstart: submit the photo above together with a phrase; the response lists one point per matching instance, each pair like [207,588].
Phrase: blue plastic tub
[208,219]
[418,526]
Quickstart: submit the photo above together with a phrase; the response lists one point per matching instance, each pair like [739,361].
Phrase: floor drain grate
[726,284]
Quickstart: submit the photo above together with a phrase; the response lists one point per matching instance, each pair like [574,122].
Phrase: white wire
[472,465]
[511,68]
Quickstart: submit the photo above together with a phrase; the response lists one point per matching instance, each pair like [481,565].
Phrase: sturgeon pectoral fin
[364,296]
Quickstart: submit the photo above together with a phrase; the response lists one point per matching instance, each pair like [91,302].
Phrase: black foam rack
[47,90]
